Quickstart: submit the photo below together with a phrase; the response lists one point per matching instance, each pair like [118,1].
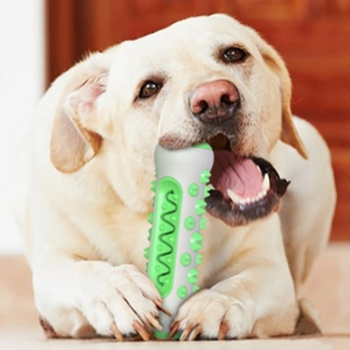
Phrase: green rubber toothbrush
[175,237]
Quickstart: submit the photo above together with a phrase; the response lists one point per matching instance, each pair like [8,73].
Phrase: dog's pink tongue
[238,174]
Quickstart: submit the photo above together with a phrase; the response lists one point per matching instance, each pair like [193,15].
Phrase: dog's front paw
[119,301]
[212,315]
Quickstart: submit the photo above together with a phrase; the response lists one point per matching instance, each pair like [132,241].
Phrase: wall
[22,63]
[313,36]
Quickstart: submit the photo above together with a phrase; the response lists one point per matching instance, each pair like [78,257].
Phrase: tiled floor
[328,288]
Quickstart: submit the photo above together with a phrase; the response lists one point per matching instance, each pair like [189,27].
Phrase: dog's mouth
[244,189]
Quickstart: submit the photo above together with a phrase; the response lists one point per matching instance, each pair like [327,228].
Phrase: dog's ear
[289,133]
[75,137]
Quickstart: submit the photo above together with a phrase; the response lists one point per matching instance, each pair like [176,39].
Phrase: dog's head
[204,79]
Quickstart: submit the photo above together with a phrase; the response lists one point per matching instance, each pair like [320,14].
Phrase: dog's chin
[244,188]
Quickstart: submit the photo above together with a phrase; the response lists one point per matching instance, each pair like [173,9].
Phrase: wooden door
[313,36]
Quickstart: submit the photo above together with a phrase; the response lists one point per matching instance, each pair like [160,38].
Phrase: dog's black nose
[214,102]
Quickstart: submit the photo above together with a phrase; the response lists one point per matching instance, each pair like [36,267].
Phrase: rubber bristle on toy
[177,221]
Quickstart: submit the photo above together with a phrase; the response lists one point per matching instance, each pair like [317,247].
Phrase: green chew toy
[175,237]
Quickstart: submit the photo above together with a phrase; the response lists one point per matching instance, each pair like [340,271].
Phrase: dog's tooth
[261,195]
[247,200]
[234,197]
[266,182]
[237,199]
[211,186]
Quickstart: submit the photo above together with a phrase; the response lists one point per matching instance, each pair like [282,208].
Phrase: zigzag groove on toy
[165,218]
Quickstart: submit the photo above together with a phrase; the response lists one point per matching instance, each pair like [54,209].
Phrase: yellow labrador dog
[83,191]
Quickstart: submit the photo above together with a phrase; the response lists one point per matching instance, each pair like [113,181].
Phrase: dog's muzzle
[244,188]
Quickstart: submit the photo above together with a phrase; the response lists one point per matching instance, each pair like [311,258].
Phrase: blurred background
[42,38]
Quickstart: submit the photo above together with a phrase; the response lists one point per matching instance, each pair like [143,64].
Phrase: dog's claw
[173,329]
[118,335]
[191,332]
[48,329]
[152,320]
[223,330]
[141,330]
[186,332]
[161,308]
[195,332]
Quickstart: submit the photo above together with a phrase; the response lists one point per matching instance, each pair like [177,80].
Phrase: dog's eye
[149,88]
[233,55]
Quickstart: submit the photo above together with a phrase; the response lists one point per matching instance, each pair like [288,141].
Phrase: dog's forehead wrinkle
[149,52]
[216,29]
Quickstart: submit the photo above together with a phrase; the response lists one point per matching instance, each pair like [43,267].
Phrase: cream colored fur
[83,188]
